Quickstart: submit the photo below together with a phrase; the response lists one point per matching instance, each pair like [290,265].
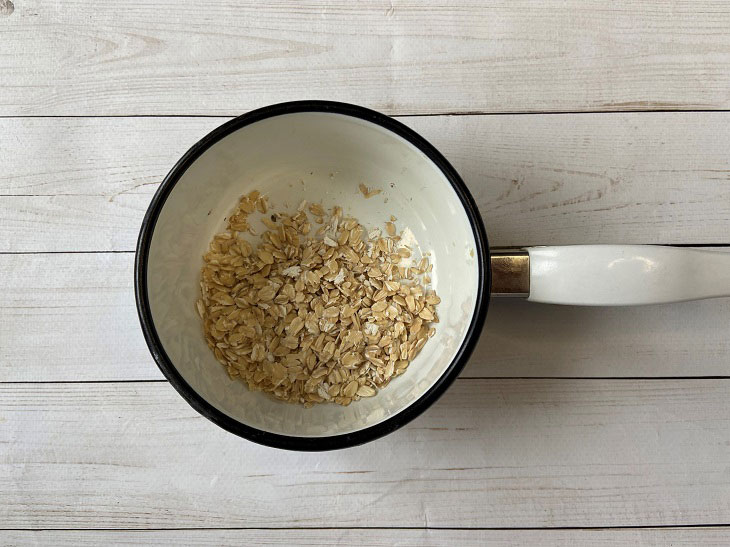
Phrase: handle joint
[510,272]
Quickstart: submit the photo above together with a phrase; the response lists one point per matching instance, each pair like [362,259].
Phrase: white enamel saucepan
[322,151]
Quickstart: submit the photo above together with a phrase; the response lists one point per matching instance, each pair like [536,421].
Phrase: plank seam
[404,115]
[436,528]
[713,245]
[495,378]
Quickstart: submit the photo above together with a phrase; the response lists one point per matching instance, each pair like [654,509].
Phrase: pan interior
[311,156]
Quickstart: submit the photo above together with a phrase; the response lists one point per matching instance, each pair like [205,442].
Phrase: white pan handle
[625,275]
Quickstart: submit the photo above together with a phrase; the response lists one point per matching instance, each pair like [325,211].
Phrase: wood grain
[72,317]
[204,57]
[84,184]
[651,537]
[490,453]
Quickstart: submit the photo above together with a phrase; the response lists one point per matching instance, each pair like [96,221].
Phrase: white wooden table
[572,121]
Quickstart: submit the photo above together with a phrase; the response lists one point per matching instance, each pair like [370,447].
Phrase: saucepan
[322,151]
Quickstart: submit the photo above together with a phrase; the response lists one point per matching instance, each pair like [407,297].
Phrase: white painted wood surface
[543,179]
[49,299]
[491,453]
[402,56]
[539,431]
[650,537]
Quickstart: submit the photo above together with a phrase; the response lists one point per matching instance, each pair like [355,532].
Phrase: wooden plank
[651,537]
[491,453]
[72,317]
[85,178]
[84,184]
[192,57]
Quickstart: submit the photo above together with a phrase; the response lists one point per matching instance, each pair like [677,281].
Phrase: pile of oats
[314,315]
